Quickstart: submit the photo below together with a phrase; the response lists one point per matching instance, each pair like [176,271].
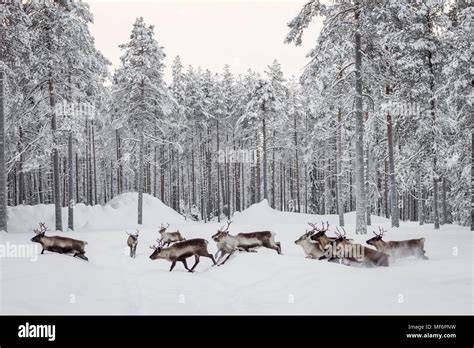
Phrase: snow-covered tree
[144,98]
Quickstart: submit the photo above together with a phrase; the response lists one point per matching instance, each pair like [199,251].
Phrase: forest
[379,123]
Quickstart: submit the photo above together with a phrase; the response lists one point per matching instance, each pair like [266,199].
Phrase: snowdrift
[118,214]
[261,213]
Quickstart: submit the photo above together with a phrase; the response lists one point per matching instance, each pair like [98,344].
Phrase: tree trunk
[193,174]
[94,162]
[71,198]
[264,150]
[3,178]
[21,174]
[119,161]
[89,166]
[56,173]
[219,159]
[361,199]
[472,177]
[391,164]
[445,204]
[140,178]
[435,203]
[297,165]
[421,204]
[340,206]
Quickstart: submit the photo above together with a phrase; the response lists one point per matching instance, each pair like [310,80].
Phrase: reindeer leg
[227,258]
[422,256]
[215,255]
[195,264]
[42,251]
[172,265]
[211,257]
[220,257]
[81,256]
[186,265]
[248,249]
[279,247]
[270,245]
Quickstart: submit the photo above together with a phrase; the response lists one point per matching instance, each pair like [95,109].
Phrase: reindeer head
[222,232]
[39,233]
[163,228]
[320,232]
[304,237]
[134,236]
[157,250]
[377,240]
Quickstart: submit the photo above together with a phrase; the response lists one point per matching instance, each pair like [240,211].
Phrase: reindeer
[355,254]
[181,251]
[228,244]
[132,242]
[398,249]
[170,237]
[57,244]
[312,249]
[320,235]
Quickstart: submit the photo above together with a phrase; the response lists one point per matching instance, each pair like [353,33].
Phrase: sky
[208,33]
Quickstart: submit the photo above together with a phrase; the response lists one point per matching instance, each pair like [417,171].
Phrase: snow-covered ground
[249,283]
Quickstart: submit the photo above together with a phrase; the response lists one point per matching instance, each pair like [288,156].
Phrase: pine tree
[140,87]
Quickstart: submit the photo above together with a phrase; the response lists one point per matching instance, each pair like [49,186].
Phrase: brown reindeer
[355,254]
[228,244]
[181,251]
[169,237]
[132,242]
[312,249]
[398,249]
[57,244]
[320,235]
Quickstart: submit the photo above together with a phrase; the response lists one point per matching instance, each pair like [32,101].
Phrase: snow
[119,213]
[249,283]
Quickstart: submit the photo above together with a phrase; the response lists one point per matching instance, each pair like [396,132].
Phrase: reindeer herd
[171,246]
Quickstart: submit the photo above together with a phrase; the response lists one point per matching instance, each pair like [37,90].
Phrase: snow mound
[118,214]
[257,212]
[261,213]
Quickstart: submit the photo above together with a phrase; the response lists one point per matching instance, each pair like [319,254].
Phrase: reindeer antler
[157,246]
[339,234]
[310,232]
[226,228]
[381,232]
[42,228]
[327,226]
